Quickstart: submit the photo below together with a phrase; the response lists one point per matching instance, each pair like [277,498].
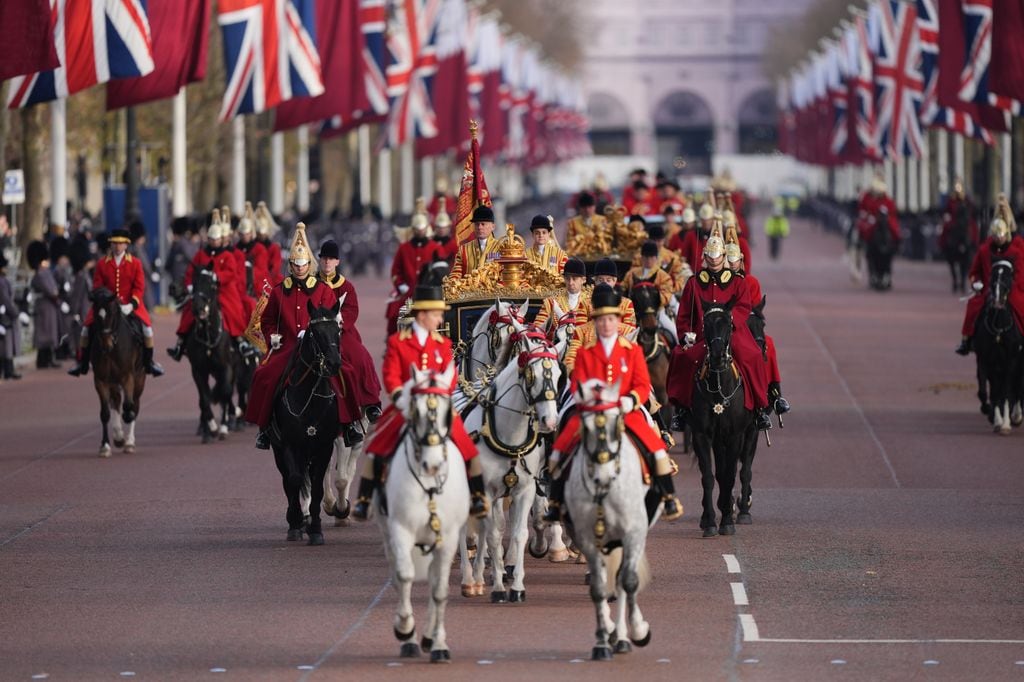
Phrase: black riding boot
[556,498]
[373,413]
[673,507]
[9,371]
[152,366]
[763,421]
[775,399]
[263,439]
[478,506]
[351,434]
[81,367]
[177,350]
[361,510]
[965,346]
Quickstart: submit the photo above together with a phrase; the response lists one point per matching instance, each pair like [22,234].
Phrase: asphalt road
[887,540]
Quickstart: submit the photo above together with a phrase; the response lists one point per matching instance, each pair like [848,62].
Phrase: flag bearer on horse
[575,300]
[282,324]
[734,260]
[614,360]
[216,256]
[358,375]
[418,251]
[605,272]
[648,270]
[121,273]
[716,285]
[424,348]
[545,252]
[999,246]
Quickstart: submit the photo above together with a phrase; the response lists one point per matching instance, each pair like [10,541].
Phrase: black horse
[115,350]
[724,431]
[655,343]
[957,247]
[212,355]
[305,420]
[880,251]
[997,344]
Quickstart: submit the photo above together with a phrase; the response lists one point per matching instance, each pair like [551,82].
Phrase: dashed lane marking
[29,529]
[750,633]
[731,563]
[739,594]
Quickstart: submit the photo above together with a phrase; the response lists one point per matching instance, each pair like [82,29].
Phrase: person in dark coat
[45,298]
[10,341]
[183,250]
[63,274]
[82,263]
[139,249]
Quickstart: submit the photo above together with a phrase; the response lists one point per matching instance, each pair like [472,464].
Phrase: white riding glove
[65,308]
[126,309]
[403,288]
[67,287]
[275,341]
[23,318]
[302,332]
[3,309]
[977,286]
[627,403]
[3,330]
[689,338]
[155,278]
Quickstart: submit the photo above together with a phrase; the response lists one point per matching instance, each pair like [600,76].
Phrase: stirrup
[361,509]
[373,413]
[673,508]
[554,512]
[478,506]
[155,369]
[782,405]
[80,369]
[763,421]
[176,352]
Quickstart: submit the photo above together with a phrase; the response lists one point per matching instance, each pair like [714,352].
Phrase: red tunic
[981,271]
[754,289]
[232,311]
[625,364]
[867,210]
[403,352]
[273,260]
[241,281]
[709,287]
[358,374]
[256,254]
[405,270]
[126,281]
[949,218]
[286,314]
[447,249]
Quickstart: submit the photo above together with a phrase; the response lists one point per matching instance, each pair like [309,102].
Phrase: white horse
[519,406]
[340,473]
[604,497]
[428,505]
[490,338]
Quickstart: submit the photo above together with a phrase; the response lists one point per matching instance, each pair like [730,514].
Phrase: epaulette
[625,343]
[404,334]
[127,258]
[704,277]
[311,281]
[288,283]
[437,336]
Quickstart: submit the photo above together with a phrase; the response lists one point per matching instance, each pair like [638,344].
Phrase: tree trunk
[33,149]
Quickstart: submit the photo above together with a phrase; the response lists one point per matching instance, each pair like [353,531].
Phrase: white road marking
[780,640]
[838,661]
[576,660]
[218,670]
[731,563]
[304,667]
[931,662]
[739,594]
[394,664]
[751,661]
[664,660]
[40,676]
[750,633]
[352,629]
[127,673]
[485,662]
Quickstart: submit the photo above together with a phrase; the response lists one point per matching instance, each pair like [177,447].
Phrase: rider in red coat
[358,374]
[716,284]
[410,258]
[871,203]
[122,274]
[613,359]
[254,257]
[264,227]
[228,291]
[958,208]
[424,348]
[443,235]
[1000,245]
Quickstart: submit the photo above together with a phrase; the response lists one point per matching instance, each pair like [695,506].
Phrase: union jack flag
[270,54]
[96,41]
[978,58]
[836,69]
[862,84]
[413,64]
[899,85]
[373,16]
[932,113]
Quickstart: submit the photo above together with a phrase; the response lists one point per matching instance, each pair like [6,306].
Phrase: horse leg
[129,439]
[128,407]
[104,393]
[702,446]
[116,424]
[404,572]
[983,393]
[493,533]
[519,535]
[538,546]
[557,550]
[725,473]
[291,480]
[436,638]
[222,395]
[318,467]
[631,580]
[602,650]
[206,422]
[746,474]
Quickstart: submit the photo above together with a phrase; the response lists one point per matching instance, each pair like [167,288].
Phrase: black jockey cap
[574,267]
[483,214]
[585,199]
[649,249]
[605,301]
[36,253]
[656,231]
[606,266]
[120,236]
[58,247]
[637,218]
[428,297]
[329,249]
[540,222]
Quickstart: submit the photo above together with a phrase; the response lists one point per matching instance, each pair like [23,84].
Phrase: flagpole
[926,175]
[277,173]
[427,178]
[302,173]
[1006,158]
[958,157]
[384,182]
[407,172]
[179,155]
[942,160]
[59,164]
[238,165]
[363,138]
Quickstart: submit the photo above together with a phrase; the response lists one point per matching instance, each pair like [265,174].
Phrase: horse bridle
[601,455]
[318,368]
[207,341]
[708,368]
[115,321]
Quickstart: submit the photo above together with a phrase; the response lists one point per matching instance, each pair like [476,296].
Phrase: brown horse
[655,343]
[119,376]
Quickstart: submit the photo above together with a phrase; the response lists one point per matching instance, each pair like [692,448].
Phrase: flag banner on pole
[28,38]
[270,54]
[1006,77]
[96,41]
[978,30]
[412,65]
[449,87]
[180,31]
[899,85]
[472,192]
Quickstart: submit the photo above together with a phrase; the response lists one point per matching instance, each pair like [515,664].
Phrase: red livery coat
[626,364]
[981,271]
[405,270]
[868,208]
[404,351]
[232,311]
[126,281]
[720,289]
[358,373]
[286,314]
[772,358]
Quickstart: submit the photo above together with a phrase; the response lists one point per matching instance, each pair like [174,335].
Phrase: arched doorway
[609,125]
[757,123]
[685,133]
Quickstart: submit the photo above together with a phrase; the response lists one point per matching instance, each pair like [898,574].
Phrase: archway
[685,133]
[609,125]
[757,123]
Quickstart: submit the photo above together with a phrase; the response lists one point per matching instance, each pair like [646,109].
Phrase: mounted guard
[415,251]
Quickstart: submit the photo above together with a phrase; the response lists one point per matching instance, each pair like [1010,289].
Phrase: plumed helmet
[689,216]
[715,245]
[264,221]
[707,211]
[606,267]
[605,301]
[216,228]
[878,185]
[247,224]
[300,253]
[574,267]
[733,252]
[1000,231]
[36,253]
[442,219]
[420,219]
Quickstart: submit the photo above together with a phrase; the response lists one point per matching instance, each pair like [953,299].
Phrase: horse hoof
[472,590]
[409,650]
[426,643]
[206,438]
[538,553]
[1004,431]
[557,556]
[440,656]
[341,514]
[586,578]
[744,519]
[727,529]
[517,596]
[316,539]
[601,653]
[643,642]
[119,442]
[623,647]
[129,449]
[498,597]
[294,534]
[710,532]
[478,589]
[105,451]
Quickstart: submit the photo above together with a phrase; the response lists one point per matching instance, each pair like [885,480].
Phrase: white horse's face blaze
[428,412]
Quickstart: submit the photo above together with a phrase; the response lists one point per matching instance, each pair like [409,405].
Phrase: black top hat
[428,297]
[58,247]
[649,249]
[604,301]
[656,231]
[606,266]
[329,249]
[585,199]
[540,222]
[120,236]
[483,214]
[574,267]
[36,253]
